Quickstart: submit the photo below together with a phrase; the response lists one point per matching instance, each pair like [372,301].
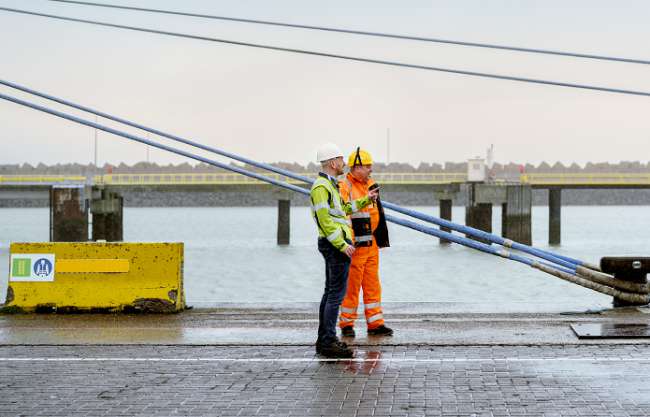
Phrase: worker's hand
[349,250]
[373,194]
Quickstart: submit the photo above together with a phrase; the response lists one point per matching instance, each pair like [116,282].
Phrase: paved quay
[233,360]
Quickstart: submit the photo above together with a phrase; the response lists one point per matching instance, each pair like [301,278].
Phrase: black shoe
[347,331]
[335,349]
[380,331]
[319,346]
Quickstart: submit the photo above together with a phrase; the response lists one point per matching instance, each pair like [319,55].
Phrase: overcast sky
[276,106]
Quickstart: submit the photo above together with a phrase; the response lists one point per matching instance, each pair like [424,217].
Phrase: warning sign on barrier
[34,267]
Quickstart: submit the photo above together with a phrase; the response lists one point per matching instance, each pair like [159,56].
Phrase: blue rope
[549,256]
[403,222]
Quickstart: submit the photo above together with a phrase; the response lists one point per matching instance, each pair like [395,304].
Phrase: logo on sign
[21,267]
[42,268]
[32,267]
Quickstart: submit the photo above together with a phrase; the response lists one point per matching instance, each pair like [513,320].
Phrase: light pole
[388,146]
[95,142]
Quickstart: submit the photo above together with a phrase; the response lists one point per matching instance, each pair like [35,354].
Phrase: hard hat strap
[357,158]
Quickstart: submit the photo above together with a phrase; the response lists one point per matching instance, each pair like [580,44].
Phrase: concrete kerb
[234,326]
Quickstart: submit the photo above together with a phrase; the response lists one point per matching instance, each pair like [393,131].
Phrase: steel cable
[364,33]
[338,56]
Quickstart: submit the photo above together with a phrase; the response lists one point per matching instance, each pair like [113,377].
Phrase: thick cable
[403,222]
[549,256]
[415,226]
[363,32]
[338,56]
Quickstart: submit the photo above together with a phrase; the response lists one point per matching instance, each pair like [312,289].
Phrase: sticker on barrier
[34,267]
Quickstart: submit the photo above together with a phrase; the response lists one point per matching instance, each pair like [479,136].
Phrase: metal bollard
[626,268]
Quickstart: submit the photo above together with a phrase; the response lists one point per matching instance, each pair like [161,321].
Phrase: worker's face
[362,172]
[338,165]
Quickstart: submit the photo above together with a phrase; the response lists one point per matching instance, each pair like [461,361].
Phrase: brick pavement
[560,380]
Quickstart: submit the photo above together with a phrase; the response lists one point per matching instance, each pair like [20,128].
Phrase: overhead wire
[363,32]
[560,273]
[336,56]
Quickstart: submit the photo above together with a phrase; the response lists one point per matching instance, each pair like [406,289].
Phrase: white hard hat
[328,151]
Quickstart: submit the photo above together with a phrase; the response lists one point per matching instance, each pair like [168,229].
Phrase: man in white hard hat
[334,243]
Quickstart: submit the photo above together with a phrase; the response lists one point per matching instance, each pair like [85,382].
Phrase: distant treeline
[424,167]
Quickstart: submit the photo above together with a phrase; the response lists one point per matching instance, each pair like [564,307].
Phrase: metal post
[284,221]
[554,216]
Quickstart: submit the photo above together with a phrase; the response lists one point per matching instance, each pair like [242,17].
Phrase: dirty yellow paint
[103,276]
[92,265]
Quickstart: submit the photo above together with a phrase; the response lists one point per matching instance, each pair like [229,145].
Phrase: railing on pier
[41,179]
[595,179]
[547,179]
[218,178]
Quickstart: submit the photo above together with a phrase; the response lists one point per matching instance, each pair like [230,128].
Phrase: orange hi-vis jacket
[364,268]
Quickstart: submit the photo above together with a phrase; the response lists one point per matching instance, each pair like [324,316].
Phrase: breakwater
[142,197]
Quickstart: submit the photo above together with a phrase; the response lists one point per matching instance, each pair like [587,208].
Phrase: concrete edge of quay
[239,324]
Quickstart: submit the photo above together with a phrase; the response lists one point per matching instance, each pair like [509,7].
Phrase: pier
[512,197]
[230,359]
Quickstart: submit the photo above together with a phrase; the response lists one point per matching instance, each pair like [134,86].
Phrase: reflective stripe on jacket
[352,188]
[330,211]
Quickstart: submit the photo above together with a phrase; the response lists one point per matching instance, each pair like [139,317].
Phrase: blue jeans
[337,266]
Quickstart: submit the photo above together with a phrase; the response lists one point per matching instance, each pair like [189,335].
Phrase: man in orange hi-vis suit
[370,234]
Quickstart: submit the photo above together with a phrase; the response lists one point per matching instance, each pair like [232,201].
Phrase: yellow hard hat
[359,157]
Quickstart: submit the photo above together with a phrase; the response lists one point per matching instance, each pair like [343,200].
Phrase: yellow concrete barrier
[95,277]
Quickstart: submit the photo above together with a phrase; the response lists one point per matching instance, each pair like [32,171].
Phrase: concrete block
[96,277]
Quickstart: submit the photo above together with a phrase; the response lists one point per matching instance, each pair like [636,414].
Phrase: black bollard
[626,268]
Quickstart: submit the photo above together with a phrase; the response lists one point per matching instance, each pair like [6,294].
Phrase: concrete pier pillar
[284,221]
[554,216]
[479,217]
[445,213]
[516,214]
[106,208]
[478,212]
[68,214]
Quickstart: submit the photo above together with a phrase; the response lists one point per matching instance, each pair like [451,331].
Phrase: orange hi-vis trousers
[364,275]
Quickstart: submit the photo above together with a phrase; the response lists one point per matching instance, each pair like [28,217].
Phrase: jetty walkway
[235,360]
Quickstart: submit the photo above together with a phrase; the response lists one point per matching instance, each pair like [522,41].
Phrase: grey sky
[277,106]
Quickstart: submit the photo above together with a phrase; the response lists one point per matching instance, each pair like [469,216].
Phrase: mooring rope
[561,260]
[561,273]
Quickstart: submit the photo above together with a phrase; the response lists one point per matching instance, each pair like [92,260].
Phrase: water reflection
[365,363]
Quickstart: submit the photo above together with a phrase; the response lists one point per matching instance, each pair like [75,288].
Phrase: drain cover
[611,330]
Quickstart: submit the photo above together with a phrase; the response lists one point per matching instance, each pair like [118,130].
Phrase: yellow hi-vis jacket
[330,211]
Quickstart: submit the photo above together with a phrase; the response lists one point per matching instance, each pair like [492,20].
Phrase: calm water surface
[231,255]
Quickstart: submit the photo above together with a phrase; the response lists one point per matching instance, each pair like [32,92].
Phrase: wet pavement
[233,360]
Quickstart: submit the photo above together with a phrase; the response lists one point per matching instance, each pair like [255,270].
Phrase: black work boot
[335,349]
[347,331]
[380,331]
